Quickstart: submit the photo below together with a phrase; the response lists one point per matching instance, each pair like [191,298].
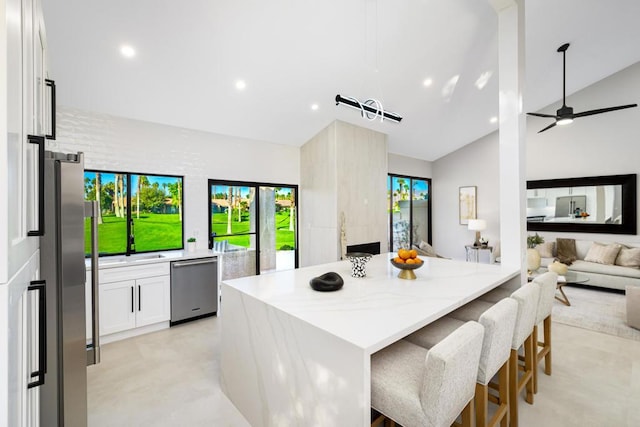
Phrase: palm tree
[175,189]
[142,181]
[292,209]
[98,193]
[229,209]
[238,204]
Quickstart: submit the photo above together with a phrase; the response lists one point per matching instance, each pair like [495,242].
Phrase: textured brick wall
[114,143]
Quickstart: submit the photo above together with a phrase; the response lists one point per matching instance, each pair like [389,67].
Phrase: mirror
[599,204]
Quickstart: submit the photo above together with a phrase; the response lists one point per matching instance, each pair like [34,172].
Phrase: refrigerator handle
[92,208]
[52,85]
[39,140]
[40,286]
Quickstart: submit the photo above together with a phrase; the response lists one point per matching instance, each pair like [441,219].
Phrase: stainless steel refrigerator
[69,348]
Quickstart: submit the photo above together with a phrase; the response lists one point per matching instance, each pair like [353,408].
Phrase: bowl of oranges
[407,260]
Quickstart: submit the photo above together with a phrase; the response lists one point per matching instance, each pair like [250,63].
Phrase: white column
[511,58]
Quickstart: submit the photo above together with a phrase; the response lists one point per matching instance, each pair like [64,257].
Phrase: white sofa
[605,276]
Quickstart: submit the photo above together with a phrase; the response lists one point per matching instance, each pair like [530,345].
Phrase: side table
[473,252]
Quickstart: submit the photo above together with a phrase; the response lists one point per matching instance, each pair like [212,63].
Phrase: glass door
[409,211]
[233,226]
[278,228]
[247,219]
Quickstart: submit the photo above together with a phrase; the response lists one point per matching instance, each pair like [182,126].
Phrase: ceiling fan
[565,115]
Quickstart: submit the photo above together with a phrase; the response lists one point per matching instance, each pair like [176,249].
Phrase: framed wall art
[467,203]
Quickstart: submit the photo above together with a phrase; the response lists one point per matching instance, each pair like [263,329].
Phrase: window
[251,218]
[138,213]
[409,210]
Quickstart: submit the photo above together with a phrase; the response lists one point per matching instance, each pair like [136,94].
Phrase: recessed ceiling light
[314,107]
[127,51]
[427,82]
[493,119]
[483,79]
[450,87]
[241,84]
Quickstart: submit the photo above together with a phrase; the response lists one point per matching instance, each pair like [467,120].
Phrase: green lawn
[283,235]
[152,232]
[164,231]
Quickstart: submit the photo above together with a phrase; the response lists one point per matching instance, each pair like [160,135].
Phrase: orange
[413,253]
[410,261]
[417,260]
[398,260]
[403,253]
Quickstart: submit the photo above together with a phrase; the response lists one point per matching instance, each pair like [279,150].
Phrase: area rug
[596,310]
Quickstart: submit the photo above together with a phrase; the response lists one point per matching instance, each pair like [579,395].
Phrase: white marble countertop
[379,309]
[150,258]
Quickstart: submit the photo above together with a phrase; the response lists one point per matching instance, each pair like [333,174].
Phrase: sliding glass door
[254,225]
[409,211]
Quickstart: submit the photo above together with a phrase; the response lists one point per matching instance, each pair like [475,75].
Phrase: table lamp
[477,225]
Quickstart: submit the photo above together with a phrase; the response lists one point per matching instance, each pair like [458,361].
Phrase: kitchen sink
[129,259]
[136,258]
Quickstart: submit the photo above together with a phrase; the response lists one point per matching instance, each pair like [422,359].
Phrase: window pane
[156,212]
[233,212]
[400,212]
[239,259]
[110,190]
[420,195]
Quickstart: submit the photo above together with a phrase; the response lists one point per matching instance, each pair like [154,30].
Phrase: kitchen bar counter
[294,356]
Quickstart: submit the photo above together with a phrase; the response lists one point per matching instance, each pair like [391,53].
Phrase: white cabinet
[133,297]
[153,302]
[117,302]
[19,258]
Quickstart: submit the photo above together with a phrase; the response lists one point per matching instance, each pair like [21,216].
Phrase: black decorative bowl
[406,270]
[327,282]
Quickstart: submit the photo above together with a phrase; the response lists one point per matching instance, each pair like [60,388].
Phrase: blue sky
[111,177]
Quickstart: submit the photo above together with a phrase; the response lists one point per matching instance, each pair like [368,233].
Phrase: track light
[369,109]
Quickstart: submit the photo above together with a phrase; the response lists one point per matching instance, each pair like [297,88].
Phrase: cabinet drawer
[116,274]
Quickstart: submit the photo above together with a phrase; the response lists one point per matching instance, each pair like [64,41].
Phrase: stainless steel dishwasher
[194,289]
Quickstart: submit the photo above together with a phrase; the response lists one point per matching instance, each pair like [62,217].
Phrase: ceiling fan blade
[603,110]
[548,127]
[551,116]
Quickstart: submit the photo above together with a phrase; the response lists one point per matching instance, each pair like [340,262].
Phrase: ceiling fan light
[564,121]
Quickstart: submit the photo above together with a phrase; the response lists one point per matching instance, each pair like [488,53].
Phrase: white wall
[606,144]
[115,143]
[473,165]
[402,165]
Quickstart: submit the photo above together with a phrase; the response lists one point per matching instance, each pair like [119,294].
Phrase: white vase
[533,259]
[191,246]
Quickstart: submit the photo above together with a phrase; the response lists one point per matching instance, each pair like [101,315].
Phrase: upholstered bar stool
[547,283]
[499,322]
[527,298]
[415,386]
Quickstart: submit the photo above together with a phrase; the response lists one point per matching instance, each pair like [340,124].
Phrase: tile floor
[170,378]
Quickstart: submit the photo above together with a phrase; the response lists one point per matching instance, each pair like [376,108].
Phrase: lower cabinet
[133,303]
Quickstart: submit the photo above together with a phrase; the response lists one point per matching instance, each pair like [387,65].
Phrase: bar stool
[527,298]
[547,283]
[499,323]
[415,386]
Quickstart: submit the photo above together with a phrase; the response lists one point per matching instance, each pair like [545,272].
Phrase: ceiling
[295,53]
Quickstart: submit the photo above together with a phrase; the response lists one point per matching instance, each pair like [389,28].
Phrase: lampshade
[477,224]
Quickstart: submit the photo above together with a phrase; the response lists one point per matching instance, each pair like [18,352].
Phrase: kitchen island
[291,356]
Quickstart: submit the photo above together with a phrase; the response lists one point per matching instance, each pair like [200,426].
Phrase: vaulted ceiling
[292,54]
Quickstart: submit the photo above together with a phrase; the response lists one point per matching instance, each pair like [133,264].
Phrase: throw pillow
[428,249]
[629,257]
[603,254]
[545,249]
[566,251]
